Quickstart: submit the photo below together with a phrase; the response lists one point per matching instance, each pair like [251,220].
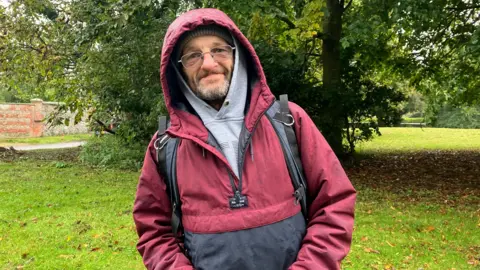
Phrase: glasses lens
[191,59]
[221,52]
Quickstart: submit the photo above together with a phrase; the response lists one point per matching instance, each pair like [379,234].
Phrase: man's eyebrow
[218,43]
[194,48]
[189,48]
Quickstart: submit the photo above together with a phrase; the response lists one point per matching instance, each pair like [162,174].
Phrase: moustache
[207,73]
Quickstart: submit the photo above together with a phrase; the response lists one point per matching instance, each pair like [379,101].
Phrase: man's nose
[208,62]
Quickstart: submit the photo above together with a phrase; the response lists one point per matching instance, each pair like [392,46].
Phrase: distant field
[417,139]
[44,140]
[413,120]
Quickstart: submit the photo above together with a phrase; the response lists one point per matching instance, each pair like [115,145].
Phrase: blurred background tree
[353,65]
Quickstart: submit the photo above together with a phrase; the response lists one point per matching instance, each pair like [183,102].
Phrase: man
[217,95]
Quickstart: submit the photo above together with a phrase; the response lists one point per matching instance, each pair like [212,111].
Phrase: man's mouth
[213,76]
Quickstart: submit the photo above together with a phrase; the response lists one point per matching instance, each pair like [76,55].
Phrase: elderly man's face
[209,79]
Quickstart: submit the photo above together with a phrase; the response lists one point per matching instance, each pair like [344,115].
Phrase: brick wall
[27,120]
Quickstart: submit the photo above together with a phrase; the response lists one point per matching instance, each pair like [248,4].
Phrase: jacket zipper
[242,160]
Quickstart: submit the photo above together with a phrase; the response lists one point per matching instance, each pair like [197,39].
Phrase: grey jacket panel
[271,247]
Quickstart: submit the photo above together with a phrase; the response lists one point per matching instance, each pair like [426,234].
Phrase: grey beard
[213,94]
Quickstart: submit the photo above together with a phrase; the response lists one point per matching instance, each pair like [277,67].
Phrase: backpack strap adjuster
[160,142]
[285,118]
[299,194]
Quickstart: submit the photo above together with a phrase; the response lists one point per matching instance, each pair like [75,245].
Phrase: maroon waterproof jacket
[204,185]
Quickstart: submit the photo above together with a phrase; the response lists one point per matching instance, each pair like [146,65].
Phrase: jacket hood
[259,97]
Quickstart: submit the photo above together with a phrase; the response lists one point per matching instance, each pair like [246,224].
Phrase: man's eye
[193,56]
[219,50]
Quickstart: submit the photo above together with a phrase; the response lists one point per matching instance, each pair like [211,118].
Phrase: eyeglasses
[219,53]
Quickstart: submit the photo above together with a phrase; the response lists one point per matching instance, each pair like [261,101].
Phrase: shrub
[459,117]
[112,151]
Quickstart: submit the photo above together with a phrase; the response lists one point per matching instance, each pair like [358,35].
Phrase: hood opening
[178,99]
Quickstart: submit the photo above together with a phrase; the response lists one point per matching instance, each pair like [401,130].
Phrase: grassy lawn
[418,139]
[413,120]
[44,140]
[417,210]
[66,217]
[415,230]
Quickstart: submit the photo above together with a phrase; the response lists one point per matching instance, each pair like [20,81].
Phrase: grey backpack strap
[166,148]
[282,122]
[289,130]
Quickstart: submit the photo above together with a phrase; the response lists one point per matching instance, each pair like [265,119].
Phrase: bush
[111,151]
[460,117]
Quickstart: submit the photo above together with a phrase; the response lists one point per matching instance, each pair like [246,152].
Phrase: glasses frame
[203,56]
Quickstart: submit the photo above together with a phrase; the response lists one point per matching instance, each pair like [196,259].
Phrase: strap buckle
[289,124]
[284,118]
[161,142]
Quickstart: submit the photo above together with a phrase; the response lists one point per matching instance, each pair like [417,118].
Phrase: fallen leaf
[430,228]
[390,244]
[95,249]
[369,250]
[364,238]
[24,255]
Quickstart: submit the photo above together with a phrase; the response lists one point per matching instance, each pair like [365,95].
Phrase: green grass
[393,232]
[65,216]
[413,120]
[44,140]
[418,139]
[414,211]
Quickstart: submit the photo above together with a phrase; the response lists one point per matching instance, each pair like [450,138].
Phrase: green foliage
[415,104]
[333,60]
[112,151]
[367,105]
[458,117]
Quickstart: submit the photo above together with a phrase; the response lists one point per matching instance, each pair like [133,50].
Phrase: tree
[345,62]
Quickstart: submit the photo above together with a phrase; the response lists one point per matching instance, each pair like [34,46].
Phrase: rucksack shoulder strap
[282,121]
[166,148]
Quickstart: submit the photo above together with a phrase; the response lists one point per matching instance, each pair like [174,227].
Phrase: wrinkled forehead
[203,43]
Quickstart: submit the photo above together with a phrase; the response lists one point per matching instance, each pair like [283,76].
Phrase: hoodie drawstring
[251,150]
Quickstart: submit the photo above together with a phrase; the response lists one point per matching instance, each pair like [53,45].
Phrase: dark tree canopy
[348,63]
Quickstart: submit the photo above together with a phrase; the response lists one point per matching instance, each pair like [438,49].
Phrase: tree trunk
[332,84]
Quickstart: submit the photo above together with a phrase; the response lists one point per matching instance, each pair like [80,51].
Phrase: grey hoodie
[225,124]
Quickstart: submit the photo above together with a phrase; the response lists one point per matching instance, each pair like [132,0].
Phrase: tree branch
[320,35]
[348,5]
[107,129]
[286,20]
[26,46]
